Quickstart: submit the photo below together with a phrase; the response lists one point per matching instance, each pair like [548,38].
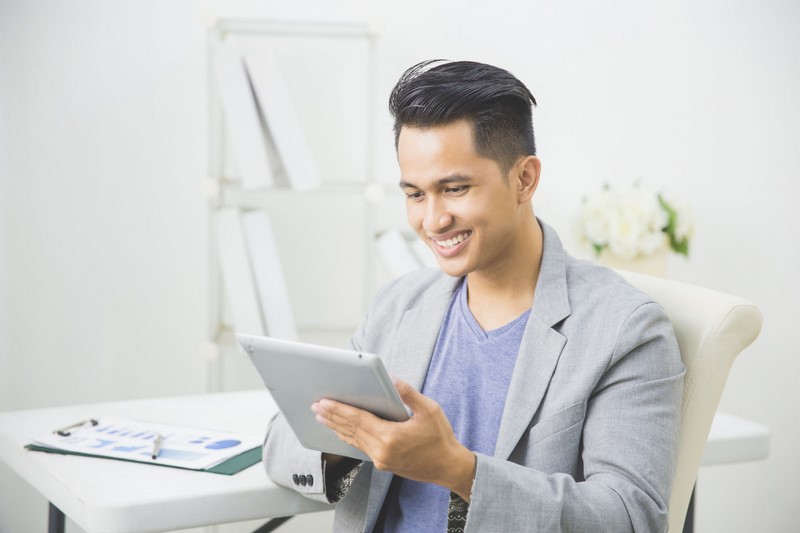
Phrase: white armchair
[712,328]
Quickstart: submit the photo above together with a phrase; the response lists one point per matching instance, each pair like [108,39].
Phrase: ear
[526,177]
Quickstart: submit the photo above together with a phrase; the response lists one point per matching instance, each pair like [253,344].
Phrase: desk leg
[272,524]
[55,520]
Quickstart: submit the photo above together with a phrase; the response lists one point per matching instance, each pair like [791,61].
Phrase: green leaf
[682,246]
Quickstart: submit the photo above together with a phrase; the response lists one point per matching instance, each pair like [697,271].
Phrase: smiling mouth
[452,242]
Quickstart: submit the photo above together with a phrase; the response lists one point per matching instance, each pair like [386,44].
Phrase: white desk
[105,496]
[735,440]
[730,440]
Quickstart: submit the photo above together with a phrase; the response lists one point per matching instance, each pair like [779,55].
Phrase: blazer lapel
[417,334]
[538,355]
[540,348]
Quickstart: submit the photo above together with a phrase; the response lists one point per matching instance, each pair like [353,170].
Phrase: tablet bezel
[298,374]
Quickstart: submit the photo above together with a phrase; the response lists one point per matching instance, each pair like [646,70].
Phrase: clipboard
[232,466]
[155,444]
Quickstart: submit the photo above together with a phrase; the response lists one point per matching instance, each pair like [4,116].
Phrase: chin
[452,270]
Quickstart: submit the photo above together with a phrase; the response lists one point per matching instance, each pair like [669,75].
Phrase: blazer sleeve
[628,448]
[286,460]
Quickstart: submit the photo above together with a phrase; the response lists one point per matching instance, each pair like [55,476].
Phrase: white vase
[654,264]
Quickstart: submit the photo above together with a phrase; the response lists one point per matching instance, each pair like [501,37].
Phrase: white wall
[4,355]
[103,146]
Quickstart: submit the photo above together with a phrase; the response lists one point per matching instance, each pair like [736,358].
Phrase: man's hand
[422,448]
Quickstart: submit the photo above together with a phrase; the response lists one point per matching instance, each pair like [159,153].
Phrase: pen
[64,432]
[156,446]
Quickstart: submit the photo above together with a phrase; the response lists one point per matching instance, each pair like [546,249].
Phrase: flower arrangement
[631,222]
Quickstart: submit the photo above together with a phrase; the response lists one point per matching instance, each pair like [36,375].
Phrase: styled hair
[437,92]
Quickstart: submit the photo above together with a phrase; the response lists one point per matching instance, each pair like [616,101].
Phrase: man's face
[457,201]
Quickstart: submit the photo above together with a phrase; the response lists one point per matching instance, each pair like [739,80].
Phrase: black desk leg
[688,524]
[55,520]
[272,524]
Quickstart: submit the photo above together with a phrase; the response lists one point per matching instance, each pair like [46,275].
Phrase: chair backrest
[712,328]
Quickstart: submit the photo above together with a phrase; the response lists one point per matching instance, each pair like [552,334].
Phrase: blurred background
[107,276]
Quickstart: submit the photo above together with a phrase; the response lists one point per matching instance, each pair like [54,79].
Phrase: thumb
[410,396]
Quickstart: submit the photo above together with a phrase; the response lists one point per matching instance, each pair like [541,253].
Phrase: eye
[415,195]
[456,190]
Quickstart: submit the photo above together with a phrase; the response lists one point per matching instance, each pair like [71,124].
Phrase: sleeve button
[303,481]
[296,479]
[310,480]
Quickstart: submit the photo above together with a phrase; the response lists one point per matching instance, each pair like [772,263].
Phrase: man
[549,388]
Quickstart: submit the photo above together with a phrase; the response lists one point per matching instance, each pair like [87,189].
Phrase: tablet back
[298,374]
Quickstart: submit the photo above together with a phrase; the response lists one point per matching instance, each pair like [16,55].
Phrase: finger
[326,414]
[346,419]
[337,413]
[358,439]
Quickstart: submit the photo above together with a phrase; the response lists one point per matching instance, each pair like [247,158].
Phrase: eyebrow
[440,182]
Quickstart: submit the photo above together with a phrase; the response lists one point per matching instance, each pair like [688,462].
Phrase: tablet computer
[298,374]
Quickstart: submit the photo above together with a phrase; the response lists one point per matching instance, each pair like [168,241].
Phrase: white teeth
[449,243]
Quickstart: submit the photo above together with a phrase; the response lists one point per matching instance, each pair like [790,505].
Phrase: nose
[437,219]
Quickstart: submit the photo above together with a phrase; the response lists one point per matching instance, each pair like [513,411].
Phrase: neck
[509,286]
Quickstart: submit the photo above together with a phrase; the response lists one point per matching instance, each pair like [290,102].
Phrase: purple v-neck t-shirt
[469,375]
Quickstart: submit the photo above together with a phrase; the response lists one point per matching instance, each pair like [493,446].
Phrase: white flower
[631,221]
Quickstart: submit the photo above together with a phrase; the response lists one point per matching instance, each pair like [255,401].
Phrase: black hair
[436,93]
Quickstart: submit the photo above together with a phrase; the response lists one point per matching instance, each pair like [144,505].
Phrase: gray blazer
[589,434]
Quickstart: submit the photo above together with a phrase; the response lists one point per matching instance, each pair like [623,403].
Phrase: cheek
[415,216]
